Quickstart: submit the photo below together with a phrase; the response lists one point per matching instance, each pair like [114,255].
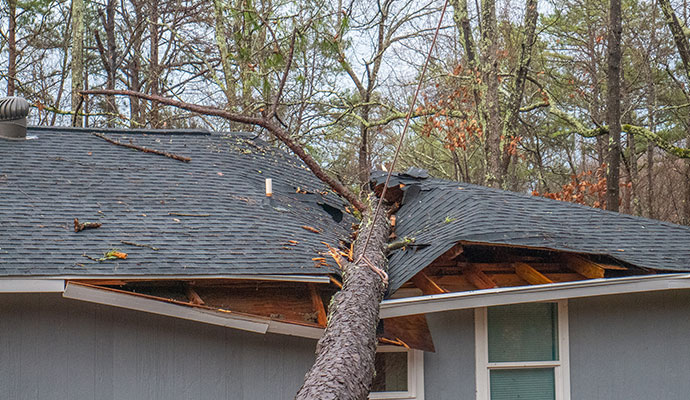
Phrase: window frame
[415,376]
[561,366]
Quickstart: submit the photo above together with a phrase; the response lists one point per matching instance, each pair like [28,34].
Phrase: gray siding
[449,372]
[631,347]
[54,348]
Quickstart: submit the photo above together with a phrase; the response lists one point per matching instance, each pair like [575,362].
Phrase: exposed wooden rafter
[426,284]
[587,268]
[321,316]
[478,278]
[193,296]
[531,275]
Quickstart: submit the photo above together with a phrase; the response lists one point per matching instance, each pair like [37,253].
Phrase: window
[522,352]
[399,374]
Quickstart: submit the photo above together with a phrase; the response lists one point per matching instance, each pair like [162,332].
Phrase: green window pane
[390,372]
[523,332]
[523,384]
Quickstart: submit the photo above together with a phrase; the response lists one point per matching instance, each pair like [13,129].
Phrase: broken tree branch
[266,123]
[140,148]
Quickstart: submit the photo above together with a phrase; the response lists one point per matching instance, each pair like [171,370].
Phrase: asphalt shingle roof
[443,213]
[206,217]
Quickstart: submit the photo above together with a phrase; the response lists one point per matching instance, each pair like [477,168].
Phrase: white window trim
[415,376]
[561,367]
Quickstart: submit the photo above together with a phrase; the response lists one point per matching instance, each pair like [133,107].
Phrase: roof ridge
[448,184]
[148,131]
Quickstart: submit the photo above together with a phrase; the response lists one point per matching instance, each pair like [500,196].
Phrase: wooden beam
[584,267]
[426,284]
[193,296]
[321,317]
[531,275]
[478,278]
[410,331]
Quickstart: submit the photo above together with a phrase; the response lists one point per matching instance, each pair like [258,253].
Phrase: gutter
[534,293]
[229,319]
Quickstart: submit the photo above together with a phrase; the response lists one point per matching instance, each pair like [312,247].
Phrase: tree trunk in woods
[344,366]
[154,69]
[77,57]
[489,75]
[219,14]
[111,58]
[12,47]
[613,105]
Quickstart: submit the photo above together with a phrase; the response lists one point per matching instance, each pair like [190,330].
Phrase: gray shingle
[446,212]
[142,198]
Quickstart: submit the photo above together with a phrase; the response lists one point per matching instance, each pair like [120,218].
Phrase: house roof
[439,213]
[207,217]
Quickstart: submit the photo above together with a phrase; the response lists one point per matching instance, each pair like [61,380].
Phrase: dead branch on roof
[189,215]
[141,148]
[80,226]
[139,245]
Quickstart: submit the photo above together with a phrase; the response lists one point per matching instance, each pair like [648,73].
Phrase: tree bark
[489,75]
[12,48]
[613,105]
[154,69]
[77,57]
[344,367]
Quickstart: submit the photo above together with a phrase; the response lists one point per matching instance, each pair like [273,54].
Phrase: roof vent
[13,112]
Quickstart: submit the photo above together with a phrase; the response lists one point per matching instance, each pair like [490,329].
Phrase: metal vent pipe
[13,112]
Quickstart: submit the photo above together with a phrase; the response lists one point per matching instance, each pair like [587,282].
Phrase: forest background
[519,93]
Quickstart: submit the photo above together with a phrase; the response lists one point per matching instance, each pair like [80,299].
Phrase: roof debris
[80,226]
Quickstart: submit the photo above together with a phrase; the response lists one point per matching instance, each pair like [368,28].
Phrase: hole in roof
[335,213]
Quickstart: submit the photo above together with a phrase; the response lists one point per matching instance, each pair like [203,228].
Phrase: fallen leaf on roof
[113,254]
[310,229]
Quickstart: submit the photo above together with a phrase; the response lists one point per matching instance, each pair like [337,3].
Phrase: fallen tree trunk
[344,366]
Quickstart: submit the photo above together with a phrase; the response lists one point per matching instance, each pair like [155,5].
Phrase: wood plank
[587,268]
[317,301]
[412,330]
[478,278]
[426,284]
[531,275]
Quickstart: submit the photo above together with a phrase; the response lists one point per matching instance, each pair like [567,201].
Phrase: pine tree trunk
[344,367]
[613,105]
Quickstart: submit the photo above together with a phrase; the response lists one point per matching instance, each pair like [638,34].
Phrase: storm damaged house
[188,264]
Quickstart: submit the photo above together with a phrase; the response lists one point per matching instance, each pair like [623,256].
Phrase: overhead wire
[380,272]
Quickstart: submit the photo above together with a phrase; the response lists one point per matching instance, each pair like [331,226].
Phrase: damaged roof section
[439,214]
[206,217]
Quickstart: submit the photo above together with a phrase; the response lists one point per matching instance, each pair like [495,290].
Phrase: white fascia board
[13,285]
[284,278]
[133,302]
[528,294]
[286,328]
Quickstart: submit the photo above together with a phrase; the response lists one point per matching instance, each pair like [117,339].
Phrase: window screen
[523,332]
[524,384]
[391,372]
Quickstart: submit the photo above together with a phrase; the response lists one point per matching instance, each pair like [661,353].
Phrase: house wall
[55,348]
[631,347]
[449,372]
